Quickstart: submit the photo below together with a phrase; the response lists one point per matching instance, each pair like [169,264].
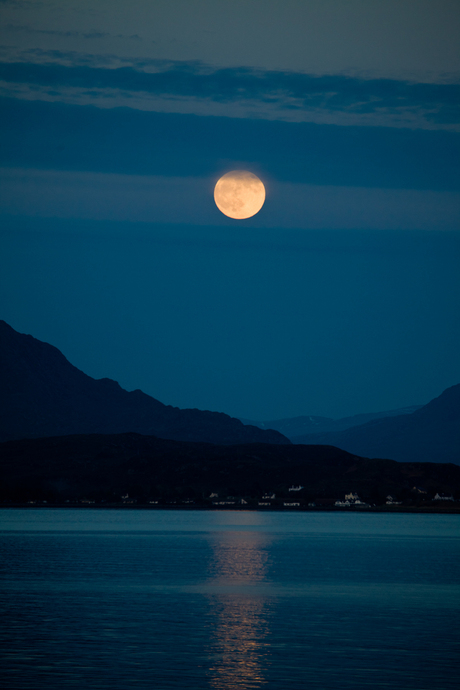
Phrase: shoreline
[426,510]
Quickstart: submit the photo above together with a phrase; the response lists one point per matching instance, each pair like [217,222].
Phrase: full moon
[239,194]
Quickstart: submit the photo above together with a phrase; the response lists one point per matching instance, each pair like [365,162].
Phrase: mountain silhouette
[430,434]
[42,395]
[310,424]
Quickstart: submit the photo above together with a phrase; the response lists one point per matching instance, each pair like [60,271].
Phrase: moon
[239,194]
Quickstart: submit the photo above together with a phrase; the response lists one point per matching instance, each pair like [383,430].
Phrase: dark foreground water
[101,599]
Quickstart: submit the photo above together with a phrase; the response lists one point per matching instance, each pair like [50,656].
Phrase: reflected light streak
[239,648]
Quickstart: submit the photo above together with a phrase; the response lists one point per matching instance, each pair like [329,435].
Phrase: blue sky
[341,296]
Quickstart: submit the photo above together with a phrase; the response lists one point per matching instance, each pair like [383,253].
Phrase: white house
[443,497]
[391,501]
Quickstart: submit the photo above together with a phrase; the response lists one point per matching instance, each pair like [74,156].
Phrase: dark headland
[131,469]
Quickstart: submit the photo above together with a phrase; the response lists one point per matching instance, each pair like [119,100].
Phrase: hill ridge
[43,394]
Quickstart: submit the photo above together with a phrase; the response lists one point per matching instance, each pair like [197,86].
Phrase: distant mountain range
[430,434]
[42,394]
[308,424]
[125,467]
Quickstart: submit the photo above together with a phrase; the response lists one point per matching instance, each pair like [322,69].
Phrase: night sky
[341,296]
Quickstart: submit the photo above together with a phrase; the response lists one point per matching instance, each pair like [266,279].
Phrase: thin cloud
[153,199]
[22,28]
[438,104]
[36,134]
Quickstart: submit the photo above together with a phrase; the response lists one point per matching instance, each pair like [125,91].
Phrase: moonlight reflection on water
[239,647]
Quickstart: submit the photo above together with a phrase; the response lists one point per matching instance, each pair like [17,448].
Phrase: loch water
[169,599]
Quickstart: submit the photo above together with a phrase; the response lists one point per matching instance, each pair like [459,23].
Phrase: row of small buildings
[268,500]
[350,500]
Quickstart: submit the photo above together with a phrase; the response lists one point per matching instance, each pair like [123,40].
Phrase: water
[126,599]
